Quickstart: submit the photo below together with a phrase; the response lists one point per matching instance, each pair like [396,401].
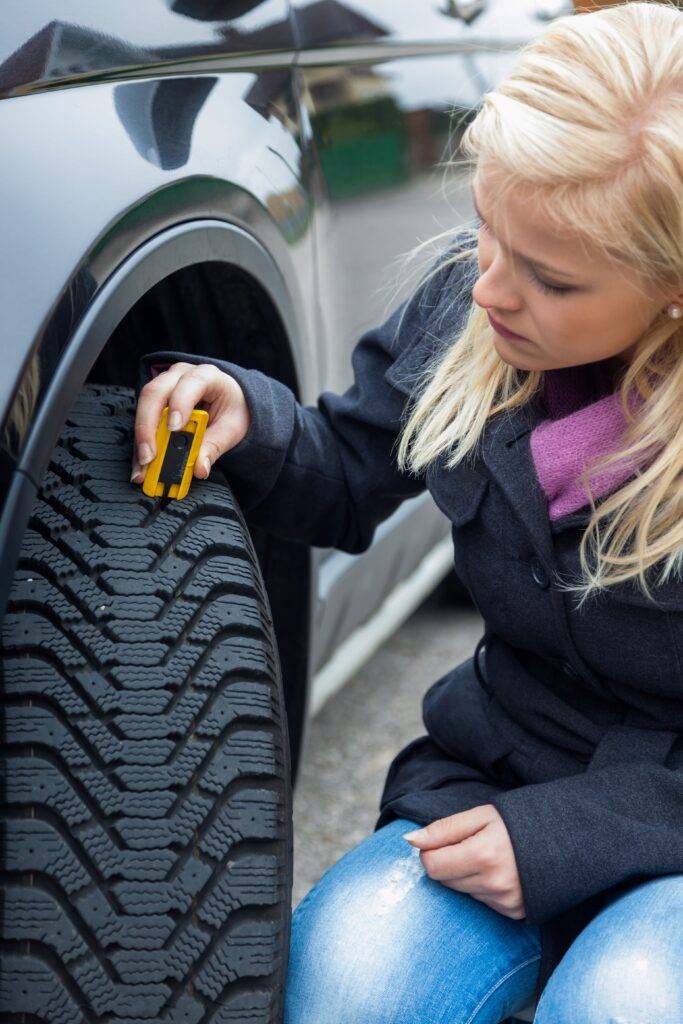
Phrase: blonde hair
[590,118]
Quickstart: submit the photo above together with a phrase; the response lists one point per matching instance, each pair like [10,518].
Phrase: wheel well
[212,309]
[216,309]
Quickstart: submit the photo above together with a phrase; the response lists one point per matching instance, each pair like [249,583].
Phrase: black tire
[148,842]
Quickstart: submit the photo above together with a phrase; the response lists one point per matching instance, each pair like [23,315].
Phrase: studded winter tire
[147,813]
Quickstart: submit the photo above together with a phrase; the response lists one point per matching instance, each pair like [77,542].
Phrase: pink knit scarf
[585,421]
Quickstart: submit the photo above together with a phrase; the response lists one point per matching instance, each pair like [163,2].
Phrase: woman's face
[572,303]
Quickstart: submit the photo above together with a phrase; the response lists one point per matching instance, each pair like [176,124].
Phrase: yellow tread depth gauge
[169,474]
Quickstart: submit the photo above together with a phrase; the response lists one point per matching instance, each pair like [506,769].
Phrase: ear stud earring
[675,311]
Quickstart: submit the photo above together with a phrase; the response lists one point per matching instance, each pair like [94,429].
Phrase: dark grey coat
[570,723]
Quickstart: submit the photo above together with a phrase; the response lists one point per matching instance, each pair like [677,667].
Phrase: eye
[551,289]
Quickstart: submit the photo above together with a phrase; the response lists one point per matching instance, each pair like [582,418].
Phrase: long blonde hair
[591,118]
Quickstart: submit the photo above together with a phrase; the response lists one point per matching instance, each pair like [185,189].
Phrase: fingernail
[206,466]
[144,454]
[137,476]
[418,833]
[175,420]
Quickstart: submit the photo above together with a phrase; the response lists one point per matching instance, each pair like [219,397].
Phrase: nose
[496,286]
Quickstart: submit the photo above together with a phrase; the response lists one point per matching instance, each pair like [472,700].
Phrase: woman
[549,783]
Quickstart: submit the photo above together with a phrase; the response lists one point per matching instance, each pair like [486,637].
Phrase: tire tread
[147,811]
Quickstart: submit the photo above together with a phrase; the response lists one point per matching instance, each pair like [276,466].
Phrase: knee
[346,948]
[627,982]
[624,967]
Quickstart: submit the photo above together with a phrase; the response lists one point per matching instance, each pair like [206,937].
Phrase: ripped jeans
[377,940]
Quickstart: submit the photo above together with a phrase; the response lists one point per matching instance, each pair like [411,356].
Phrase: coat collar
[506,452]
[505,444]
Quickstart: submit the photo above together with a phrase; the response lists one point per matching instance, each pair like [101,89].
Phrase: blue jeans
[377,940]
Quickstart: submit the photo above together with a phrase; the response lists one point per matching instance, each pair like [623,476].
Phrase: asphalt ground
[353,739]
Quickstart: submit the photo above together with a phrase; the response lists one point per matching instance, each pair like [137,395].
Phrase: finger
[137,473]
[153,397]
[472,885]
[219,437]
[201,383]
[508,907]
[208,453]
[453,829]
[462,860]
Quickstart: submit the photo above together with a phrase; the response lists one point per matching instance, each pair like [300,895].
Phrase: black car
[223,178]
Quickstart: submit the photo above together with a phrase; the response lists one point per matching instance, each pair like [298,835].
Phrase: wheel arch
[192,243]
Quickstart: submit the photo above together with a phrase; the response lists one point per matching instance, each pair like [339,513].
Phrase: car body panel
[82,191]
[92,42]
[319,129]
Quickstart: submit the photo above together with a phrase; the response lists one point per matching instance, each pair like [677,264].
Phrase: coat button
[539,574]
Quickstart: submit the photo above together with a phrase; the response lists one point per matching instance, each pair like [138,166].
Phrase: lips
[504,330]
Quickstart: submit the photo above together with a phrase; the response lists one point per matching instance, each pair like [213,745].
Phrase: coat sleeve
[326,474]
[582,834]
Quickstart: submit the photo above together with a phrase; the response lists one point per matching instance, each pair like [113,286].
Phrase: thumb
[446,831]
[208,453]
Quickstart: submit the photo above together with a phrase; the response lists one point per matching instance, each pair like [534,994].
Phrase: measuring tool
[169,474]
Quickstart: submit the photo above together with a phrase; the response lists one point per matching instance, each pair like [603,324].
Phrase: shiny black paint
[94,41]
[318,129]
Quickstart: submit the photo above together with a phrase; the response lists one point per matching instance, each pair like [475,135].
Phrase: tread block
[250,950]
[35,845]
[27,985]
[252,814]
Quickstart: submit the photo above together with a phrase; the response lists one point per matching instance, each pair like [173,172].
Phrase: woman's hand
[182,387]
[471,852]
